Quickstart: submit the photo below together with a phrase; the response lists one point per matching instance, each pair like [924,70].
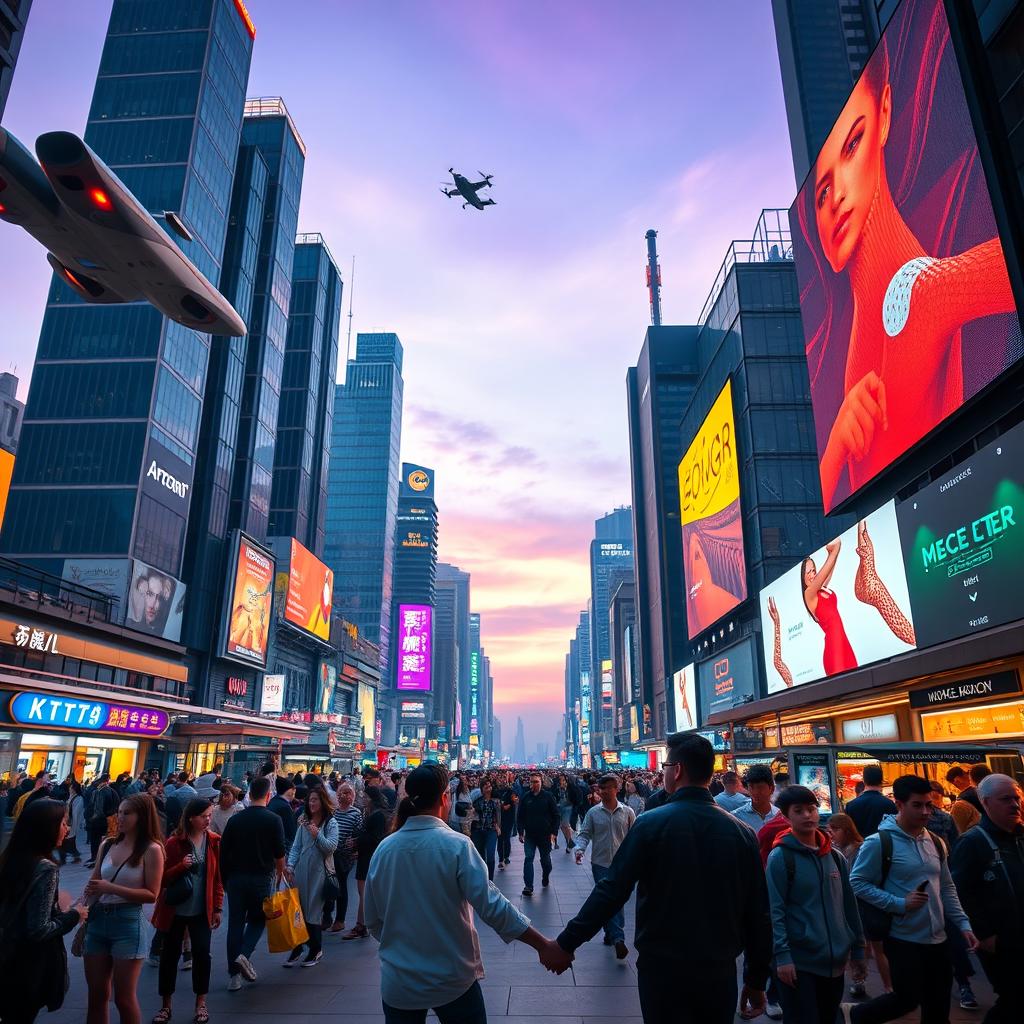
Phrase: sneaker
[846,1009]
[621,950]
[501,865]
[294,957]
[186,962]
[773,1011]
[234,982]
[247,969]
[313,959]
[528,890]
[338,926]
[357,931]
[858,990]
[967,1000]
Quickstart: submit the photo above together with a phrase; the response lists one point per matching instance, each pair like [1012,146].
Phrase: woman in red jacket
[191,898]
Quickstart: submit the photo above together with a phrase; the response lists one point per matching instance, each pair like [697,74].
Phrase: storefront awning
[916,753]
[232,732]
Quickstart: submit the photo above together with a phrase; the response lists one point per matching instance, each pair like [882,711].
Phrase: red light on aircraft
[100,199]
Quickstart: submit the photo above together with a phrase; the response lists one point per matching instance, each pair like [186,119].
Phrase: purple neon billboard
[415,632]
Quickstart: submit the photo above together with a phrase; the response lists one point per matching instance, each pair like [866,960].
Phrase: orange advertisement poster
[985,722]
[310,593]
[6,472]
[251,595]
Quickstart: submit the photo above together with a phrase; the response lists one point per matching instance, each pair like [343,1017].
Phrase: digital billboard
[684,698]
[109,576]
[325,689]
[845,605]
[904,293]
[309,593]
[963,544]
[709,507]
[6,472]
[727,680]
[417,481]
[156,602]
[414,644]
[250,593]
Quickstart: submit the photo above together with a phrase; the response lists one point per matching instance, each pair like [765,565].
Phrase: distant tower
[519,750]
[654,276]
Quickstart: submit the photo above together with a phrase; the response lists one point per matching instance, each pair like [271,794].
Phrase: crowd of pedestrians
[724,868]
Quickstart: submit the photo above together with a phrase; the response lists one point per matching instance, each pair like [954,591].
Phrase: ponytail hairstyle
[424,787]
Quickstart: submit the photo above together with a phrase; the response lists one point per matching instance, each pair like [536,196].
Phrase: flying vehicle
[99,238]
[469,189]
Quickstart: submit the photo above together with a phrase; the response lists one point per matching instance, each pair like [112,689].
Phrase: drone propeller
[486,177]
[445,192]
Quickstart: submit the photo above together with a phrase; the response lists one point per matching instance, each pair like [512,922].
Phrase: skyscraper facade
[453,598]
[519,746]
[13,17]
[114,408]
[363,482]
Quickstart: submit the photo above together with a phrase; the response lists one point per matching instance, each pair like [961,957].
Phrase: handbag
[332,889]
[286,927]
[180,890]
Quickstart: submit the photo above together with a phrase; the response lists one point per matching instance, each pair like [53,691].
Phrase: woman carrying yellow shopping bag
[286,928]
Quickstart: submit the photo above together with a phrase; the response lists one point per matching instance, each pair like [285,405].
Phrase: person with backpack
[104,803]
[815,924]
[907,894]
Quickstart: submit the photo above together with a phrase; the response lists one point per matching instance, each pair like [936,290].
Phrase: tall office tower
[269,128]
[452,580]
[496,739]
[585,687]
[519,747]
[13,16]
[445,682]
[471,723]
[622,637]
[823,46]
[658,390]
[611,561]
[486,703]
[298,498]
[362,488]
[107,452]
[11,412]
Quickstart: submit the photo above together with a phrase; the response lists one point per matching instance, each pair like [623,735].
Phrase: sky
[598,120]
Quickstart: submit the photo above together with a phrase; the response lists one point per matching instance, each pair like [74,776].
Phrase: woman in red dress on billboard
[904,371]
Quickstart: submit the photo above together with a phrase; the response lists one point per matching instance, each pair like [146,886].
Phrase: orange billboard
[6,472]
[310,593]
[252,588]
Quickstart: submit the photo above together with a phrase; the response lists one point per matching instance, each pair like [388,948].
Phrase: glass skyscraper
[362,489]
[117,389]
[13,15]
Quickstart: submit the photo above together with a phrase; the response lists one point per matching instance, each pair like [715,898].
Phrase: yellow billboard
[712,524]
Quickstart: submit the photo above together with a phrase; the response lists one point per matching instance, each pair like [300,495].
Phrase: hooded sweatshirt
[914,860]
[770,831]
[815,924]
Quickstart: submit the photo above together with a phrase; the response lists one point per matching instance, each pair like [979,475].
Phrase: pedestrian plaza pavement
[344,988]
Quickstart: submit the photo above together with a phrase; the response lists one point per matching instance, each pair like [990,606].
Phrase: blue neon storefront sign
[50,711]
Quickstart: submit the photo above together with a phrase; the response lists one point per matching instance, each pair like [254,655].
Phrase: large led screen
[684,698]
[963,544]
[414,638]
[709,506]
[249,600]
[727,680]
[906,301]
[310,592]
[844,606]
[156,602]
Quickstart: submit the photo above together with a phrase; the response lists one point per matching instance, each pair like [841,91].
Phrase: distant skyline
[598,122]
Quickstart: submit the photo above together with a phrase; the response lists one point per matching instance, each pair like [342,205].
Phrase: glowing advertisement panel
[156,602]
[684,698]
[963,544]
[906,301]
[310,593]
[249,599]
[844,606]
[709,505]
[49,711]
[414,637]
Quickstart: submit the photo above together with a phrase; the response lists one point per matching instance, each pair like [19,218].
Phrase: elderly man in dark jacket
[701,900]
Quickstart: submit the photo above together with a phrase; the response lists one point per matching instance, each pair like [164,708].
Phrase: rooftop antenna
[351,288]
[654,277]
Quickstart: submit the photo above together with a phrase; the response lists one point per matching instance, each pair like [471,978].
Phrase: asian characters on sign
[48,711]
[414,646]
[35,639]
[906,301]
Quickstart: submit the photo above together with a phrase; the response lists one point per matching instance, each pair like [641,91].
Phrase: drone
[99,238]
[469,189]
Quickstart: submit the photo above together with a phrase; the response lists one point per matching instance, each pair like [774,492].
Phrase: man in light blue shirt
[759,808]
[733,796]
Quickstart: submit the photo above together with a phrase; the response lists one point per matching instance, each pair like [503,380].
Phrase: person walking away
[670,854]
[537,820]
[868,809]
[902,871]
[76,819]
[758,808]
[604,828]
[376,818]
[462,814]
[509,799]
[437,964]
[191,901]
[563,800]
[988,869]
[488,825]
[314,846]
[350,825]
[128,873]
[229,803]
[104,807]
[252,855]
[281,804]
[815,925]
[732,796]
[35,917]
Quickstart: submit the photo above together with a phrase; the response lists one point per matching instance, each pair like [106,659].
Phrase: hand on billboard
[869,589]
[780,666]
[773,611]
[862,413]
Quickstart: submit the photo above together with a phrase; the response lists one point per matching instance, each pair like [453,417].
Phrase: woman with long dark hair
[128,872]
[191,900]
[36,915]
[376,815]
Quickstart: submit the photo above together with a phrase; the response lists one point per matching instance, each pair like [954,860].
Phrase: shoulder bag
[78,942]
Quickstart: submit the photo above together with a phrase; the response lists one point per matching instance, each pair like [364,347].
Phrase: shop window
[104,673]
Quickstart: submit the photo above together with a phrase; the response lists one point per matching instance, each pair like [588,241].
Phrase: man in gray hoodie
[815,925]
[902,870]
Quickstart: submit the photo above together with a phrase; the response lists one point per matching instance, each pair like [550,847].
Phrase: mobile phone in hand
[922,886]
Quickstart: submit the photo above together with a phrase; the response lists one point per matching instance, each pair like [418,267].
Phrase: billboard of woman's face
[906,301]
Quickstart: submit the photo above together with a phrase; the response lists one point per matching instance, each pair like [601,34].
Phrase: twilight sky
[598,120]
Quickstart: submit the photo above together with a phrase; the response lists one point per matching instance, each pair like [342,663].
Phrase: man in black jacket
[868,809]
[988,869]
[701,900]
[537,821]
[281,805]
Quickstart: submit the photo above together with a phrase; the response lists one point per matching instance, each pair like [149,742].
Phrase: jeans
[246,922]
[615,926]
[508,827]
[315,943]
[1002,969]
[337,913]
[486,843]
[922,975]
[963,971]
[700,995]
[814,1000]
[467,1009]
[544,848]
[200,933]
[96,833]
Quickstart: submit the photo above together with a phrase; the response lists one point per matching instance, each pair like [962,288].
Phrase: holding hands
[554,958]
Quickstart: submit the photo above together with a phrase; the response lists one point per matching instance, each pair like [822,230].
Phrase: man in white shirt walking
[435,962]
[604,828]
